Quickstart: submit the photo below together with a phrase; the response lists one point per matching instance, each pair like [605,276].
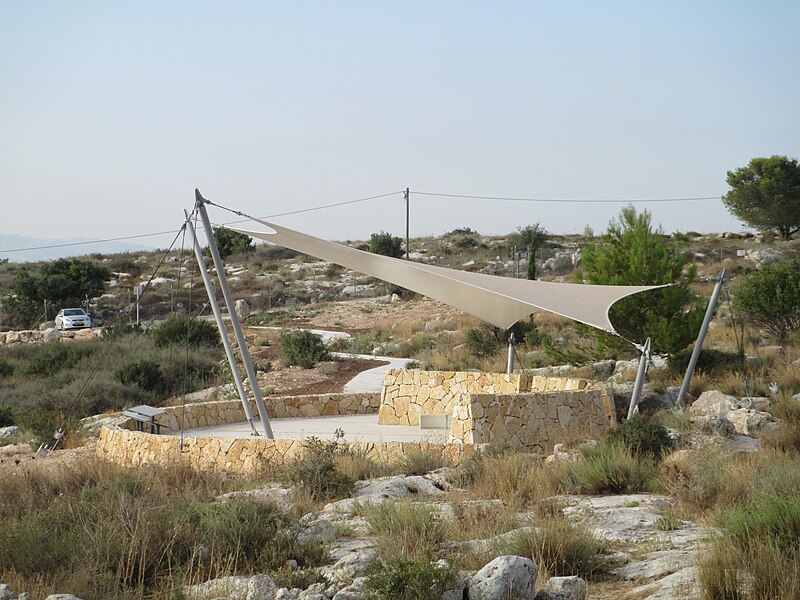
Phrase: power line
[569,200]
[157,233]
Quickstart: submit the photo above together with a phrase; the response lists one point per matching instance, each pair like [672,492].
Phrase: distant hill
[13,242]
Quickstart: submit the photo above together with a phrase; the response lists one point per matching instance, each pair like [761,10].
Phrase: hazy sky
[111,113]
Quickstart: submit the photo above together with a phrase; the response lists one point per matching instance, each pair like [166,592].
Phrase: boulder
[765,255]
[62,597]
[748,422]
[314,530]
[395,487]
[355,591]
[12,337]
[353,566]
[6,432]
[242,309]
[715,403]
[565,588]
[51,334]
[6,593]
[236,587]
[504,578]
[716,425]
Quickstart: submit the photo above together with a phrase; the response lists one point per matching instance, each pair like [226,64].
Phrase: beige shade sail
[501,301]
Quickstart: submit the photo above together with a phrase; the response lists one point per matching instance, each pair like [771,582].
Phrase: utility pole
[407,195]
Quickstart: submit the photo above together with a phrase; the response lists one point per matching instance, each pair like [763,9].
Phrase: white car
[72,318]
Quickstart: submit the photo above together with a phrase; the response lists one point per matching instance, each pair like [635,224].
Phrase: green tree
[62,283]
[766,195]
[530,238]
[386,244]
[303,348]
[631,253]
[232,242]
[770,297]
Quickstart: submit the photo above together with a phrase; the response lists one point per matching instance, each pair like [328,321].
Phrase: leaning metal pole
[200,204]
[633,407]
[212,299]
[698,345]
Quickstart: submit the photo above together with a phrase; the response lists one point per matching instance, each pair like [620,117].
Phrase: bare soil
[327,378]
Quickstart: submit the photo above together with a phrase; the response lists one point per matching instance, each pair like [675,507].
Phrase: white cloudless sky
[111,113]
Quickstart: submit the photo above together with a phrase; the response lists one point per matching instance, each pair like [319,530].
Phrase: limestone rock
[457,591]
[9,431]
[748,421]
[657,564]
[765,255]
[504,578]
[564,588]
[677,586]
[51,334]
[714,403]
[257,587]
[242,309]
[355,591]
[396,486]
[6,593]
[62,597]
[315,530]
[273,492]
[716,425]
[353,566]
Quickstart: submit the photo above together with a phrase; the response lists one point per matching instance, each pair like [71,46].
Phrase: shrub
[316,472]
[770,297]
[611,469]
[409,580]
[50,359]
[184,330]
[231,242]
[303,348]
[144,373]
[6,368]
[481,343]
[420,462]
[386,244]
[640,435]
[710,361]
[559,548]
[6,416]
[405,531]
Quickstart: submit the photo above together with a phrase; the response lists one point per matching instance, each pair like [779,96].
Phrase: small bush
[559,548]
[640,435]
[667,522]
[405,531]
[6,416]
[50,359]
[611,469]
[6,368]
[303,348]
[144,373]
[183,330]
[710,361]
[481,343]
[404,579]
[316,472]
[420,462]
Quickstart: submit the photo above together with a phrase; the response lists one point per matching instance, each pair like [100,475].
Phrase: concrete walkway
[357,428]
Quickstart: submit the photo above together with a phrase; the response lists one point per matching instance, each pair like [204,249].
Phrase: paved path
[370,380]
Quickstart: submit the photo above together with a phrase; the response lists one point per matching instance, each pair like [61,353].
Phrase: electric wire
[569,200]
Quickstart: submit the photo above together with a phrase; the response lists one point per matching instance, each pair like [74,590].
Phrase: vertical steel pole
[200,204]
[698,345]
[639,384]
[512,350]
[212,299]
[408,211]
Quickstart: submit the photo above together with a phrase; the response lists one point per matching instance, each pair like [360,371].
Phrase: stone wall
[33,336]
[205,414]
[408,394]
[534,421]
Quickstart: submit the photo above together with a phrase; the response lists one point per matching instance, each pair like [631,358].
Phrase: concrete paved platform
[357,428]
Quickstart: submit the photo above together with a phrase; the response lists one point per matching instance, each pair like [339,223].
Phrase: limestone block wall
[245,456]
[205,414]
[534,421]
[408,394]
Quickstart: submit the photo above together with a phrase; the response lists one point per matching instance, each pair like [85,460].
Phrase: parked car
[73,318]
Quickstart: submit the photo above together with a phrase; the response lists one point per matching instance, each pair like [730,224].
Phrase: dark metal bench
[145,415]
